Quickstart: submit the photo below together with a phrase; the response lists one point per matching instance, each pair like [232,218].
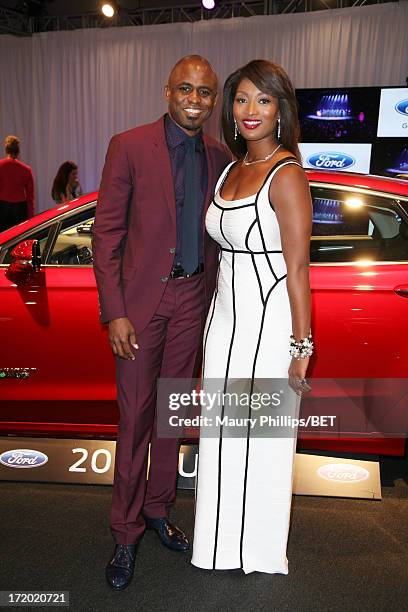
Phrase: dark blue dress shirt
[176,138]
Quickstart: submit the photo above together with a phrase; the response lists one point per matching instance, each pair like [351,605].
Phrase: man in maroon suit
[155,268]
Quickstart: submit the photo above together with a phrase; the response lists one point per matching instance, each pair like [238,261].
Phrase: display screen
[347,157]
[393,113]
[338,115]
[390,157]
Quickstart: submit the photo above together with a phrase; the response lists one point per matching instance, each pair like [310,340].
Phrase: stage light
[108,9]
[208,4]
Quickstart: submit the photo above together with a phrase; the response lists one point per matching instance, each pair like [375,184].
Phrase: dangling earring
[235,130]
[279,128]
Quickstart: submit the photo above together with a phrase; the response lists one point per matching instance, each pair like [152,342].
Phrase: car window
[351,226]
[38,234]
[73,245]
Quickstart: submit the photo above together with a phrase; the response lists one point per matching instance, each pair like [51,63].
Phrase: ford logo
[331,161]
[343,472]
[402,107]
[23,458]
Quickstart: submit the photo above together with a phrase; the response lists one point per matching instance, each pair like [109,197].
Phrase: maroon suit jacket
[134,234]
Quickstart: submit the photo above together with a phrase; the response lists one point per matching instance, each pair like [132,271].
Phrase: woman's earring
[279,128]
[235,130]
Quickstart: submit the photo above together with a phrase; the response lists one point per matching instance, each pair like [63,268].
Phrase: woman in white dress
[258,326]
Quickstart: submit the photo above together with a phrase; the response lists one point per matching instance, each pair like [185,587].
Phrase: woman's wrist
[302,348]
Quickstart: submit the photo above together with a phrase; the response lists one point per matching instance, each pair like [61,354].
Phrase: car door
[359,257]
[359,281]
[52,330]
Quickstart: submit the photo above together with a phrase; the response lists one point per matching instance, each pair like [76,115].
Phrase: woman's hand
[297,372]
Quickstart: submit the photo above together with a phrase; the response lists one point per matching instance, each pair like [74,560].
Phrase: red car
[56,367]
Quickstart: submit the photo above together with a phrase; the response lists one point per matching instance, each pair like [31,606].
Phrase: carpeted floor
[344,555]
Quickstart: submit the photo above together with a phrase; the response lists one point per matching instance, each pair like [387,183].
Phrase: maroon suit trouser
[168,348]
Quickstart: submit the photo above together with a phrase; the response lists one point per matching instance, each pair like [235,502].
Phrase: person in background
[16,186]
[66,185]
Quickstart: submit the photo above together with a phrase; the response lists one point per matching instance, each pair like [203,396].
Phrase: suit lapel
[161,153]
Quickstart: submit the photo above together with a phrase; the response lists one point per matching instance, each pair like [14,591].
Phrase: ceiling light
[108,9]
[208,4]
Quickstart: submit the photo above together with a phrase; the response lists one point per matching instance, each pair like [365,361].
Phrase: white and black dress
[244,484]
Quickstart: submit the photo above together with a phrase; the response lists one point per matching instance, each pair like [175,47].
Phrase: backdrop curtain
[66,93]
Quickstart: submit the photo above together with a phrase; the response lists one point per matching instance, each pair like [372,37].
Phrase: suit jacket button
[164,279]
[172,250]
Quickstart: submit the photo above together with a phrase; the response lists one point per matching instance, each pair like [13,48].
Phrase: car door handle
[402,290]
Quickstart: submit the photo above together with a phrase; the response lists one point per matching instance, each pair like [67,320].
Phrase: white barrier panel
[92,462]
[57,460]
[334,477]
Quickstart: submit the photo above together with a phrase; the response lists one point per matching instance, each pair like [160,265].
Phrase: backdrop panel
[66,93]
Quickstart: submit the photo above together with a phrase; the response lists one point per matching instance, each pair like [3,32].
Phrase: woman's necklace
[256,161]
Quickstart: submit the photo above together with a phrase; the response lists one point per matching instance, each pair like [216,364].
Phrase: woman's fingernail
[136,346]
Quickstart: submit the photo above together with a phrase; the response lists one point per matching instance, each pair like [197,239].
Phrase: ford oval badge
[331,161]
[343,472]
[23,458]
[402,107]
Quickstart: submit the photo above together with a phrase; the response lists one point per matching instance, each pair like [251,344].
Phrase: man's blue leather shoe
[119,571]
[170,535]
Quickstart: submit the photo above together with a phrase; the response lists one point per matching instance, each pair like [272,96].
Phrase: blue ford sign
[402,107]
[23,458]
[331,161]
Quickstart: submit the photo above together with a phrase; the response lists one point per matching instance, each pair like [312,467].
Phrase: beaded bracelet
[303,348]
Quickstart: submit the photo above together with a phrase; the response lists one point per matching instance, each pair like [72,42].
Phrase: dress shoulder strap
[279,164]
[285,161]
[289,159]
[223,177]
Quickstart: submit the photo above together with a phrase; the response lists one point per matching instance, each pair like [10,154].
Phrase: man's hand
[122,338]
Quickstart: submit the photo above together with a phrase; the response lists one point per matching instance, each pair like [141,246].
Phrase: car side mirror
[26,262]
